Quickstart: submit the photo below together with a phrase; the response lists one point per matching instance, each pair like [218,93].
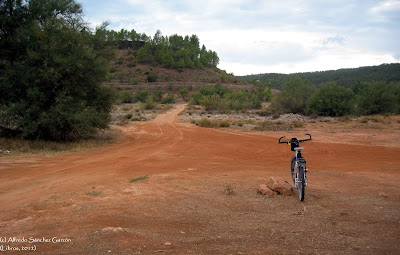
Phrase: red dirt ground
[184,200]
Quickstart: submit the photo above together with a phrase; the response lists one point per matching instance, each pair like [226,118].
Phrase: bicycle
[298,163]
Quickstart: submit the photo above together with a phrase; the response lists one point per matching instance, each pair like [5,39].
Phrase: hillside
[343,77]
[128,73]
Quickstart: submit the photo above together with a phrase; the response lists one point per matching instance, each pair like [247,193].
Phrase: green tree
[378,97]
[331,100]
[293,97]
[51,71]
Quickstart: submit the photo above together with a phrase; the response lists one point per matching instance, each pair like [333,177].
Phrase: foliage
[152,77]
[149,104]
[331,100]
[126,97]
[378,97]
[176,52]
[51,71]
[168,100]
[343,77]
[220,98]
[141,96]
[293,97]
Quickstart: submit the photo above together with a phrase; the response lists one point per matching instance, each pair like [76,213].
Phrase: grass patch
[273,126]
[94,193]
[329,173]
[140,178]
[18,146]
[298,124]
[230,189]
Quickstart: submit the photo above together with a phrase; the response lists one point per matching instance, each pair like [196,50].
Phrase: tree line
[173,51]
[342,77]
[330,99]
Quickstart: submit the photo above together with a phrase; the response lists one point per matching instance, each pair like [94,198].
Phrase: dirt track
[184,202]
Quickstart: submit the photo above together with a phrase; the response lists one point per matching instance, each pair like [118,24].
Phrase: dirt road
[87,201]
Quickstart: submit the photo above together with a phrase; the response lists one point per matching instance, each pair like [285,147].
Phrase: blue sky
[283,36]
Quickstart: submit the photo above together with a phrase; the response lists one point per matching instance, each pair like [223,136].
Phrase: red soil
[184,200]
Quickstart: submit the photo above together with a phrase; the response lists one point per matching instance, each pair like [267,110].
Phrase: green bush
[136,81]
[152,77]
[126,97]
[168,100]
[293,97]
[331,100]
[149,104]
[141,96]
[378,97]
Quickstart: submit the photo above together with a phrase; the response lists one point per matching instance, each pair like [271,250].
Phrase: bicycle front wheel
[301,182]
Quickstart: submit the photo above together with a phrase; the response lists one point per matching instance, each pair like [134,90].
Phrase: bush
[149,104]
[168,100]
[293,97]
[331,100]
[378,97]
[126,97]
[141,96]
[136,81]
[152,77]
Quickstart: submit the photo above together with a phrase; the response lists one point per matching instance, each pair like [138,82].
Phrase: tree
[331,100]
[51,72]
[378,97]
[293,97]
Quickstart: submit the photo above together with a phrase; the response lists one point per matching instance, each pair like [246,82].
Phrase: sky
[270,36]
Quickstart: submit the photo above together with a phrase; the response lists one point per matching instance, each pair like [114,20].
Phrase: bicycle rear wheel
[301,182]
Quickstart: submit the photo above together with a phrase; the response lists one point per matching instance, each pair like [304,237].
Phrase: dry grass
[18,146]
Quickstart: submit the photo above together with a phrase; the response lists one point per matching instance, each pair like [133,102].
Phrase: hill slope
[343,77]
[128,73]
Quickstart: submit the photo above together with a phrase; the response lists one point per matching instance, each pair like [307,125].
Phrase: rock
[280,186]
[265,190]
[167,244]
[109,229]
[383,194]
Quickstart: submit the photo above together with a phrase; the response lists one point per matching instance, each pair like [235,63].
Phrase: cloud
[284,36]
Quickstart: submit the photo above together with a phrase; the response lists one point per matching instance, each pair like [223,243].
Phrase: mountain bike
[298,165]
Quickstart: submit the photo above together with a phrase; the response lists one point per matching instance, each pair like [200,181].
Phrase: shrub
[168,100]
[224,124]
[149,104]
[331,100]
[378,97]
[152,77]
[293,97]
[126,97]
[207,123]
[135,81]
[141,96]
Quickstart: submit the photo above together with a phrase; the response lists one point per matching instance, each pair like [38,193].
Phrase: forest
[173,51]
[342,77]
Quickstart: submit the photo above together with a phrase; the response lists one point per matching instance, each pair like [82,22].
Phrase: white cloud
[269,36]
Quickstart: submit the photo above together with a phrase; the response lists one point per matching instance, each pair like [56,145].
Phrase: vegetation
[51,71]
[140,178]
[331,100]
[343,77]
[297,96]
[174,51]
[293,97]
[222,99]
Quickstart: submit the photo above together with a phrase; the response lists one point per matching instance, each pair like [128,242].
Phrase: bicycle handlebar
[300,141]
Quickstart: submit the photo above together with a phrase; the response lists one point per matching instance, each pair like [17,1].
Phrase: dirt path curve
[82,196]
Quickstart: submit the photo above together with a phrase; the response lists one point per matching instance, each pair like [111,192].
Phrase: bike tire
[302,182]
[292,166]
